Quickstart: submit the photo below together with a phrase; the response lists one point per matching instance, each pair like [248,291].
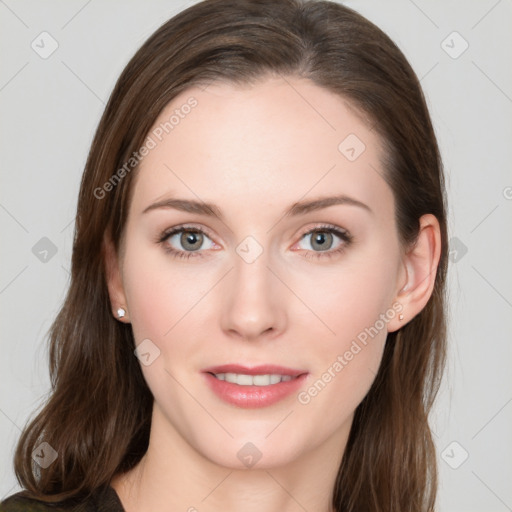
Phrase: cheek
[158,294]
[161,301]
[355,304]
[351,297]
[149,301]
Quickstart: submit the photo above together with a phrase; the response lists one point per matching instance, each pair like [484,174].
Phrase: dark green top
[105,500]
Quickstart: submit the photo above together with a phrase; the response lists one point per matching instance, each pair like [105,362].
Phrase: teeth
[274,379]
[252,380]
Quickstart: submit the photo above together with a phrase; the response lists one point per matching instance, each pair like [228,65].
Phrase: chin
[250,453]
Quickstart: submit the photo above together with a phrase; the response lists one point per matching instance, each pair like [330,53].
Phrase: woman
[256,314]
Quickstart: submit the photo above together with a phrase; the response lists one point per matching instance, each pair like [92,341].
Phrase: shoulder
[19,502]
[104,499]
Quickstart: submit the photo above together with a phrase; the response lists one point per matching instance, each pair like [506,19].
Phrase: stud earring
[121,313]
[400,316]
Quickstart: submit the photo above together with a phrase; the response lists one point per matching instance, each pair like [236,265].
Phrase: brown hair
[98,414]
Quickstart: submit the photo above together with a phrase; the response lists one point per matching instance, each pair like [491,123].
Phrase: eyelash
[325,228]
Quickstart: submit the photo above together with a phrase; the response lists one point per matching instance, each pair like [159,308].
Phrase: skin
[254,151]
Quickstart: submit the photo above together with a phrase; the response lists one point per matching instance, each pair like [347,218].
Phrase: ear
[418,273]
[114,280]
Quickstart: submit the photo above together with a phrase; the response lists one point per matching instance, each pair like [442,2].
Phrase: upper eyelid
[186,227]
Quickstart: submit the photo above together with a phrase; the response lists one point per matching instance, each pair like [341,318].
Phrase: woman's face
[260,278]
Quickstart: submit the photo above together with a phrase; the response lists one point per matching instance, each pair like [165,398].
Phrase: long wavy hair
[97,416]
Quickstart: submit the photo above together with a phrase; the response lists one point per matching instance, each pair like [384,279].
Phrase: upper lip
[265,369]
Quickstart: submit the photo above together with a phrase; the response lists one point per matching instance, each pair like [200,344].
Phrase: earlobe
[114,281]
[420,269]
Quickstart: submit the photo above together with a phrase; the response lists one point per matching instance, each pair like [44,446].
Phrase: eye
[323,237]
[189,238]
[190,241]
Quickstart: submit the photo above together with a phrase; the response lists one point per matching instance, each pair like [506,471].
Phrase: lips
[253,387]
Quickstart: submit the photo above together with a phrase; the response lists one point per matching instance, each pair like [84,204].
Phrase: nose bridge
[252,306]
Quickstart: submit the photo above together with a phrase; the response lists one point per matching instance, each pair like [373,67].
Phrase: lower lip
[252,397]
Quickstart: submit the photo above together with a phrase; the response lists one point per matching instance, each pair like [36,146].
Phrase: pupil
[191,238]
[320,239]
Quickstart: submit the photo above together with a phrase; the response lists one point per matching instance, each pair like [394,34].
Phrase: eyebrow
[296,209]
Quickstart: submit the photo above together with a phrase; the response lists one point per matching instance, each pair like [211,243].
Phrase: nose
[254,305]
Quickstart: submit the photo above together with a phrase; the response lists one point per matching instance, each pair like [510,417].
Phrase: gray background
[50,108]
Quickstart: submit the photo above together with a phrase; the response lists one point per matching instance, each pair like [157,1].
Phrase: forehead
[269,143]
